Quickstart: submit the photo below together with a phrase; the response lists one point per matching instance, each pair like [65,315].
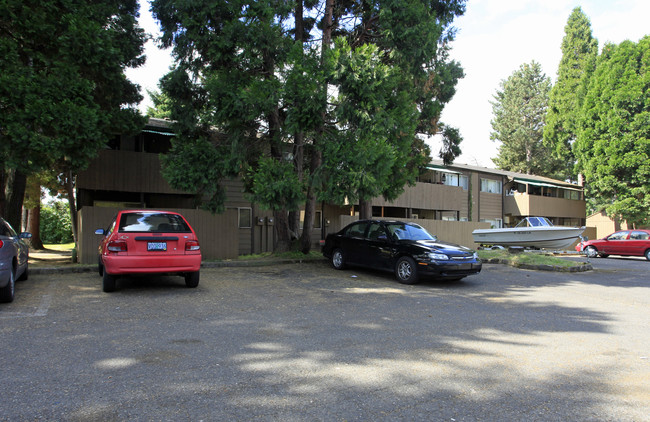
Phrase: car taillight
[1,244]
[117,246]
[192,245]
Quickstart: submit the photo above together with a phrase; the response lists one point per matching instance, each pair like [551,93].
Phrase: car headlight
[438,256]
[475,255]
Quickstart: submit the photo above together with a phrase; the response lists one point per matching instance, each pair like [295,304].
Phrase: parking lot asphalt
[298,342]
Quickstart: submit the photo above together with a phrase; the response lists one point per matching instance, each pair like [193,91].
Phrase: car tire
[24,276]
[192,279]
[108,282]
[7,292]
[406,271]
[591,252]
[647,254]
[338,259]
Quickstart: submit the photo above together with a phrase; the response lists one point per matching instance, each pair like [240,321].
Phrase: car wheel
[100,267]
[108,282]
[647,254]
[192,279]
[405,270]
[24,276]
[591,252]
[8,291]
[338,260]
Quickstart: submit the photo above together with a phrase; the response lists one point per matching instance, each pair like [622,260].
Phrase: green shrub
[56,227]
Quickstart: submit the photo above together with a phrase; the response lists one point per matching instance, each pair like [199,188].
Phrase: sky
[494,38]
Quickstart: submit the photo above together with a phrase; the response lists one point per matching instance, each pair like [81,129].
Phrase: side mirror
[100,232]
[382,237]
[25,235]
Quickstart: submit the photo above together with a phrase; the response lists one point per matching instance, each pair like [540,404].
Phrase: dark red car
[148,242]
[624,242]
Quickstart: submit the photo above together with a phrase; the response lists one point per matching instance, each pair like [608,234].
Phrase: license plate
[157,246]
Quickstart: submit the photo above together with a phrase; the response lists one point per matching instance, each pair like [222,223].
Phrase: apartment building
[127,174]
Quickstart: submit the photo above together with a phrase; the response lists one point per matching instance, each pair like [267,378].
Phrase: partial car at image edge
[14,260]
[404,248]
[635,242]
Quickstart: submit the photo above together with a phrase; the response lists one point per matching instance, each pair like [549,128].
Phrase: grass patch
[526,258]
[62,247]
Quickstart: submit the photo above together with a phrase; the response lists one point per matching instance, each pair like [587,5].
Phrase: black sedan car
[405,248]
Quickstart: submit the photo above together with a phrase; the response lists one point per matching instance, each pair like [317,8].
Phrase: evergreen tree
[63,91]
[579,52]
[278,80]
[518,123]
[613,146]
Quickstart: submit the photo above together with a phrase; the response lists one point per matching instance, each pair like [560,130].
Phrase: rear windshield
[153,223]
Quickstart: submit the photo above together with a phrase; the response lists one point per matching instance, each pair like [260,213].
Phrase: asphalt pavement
[304,342]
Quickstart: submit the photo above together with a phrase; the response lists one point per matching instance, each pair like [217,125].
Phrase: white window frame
[491,186]
[250,217]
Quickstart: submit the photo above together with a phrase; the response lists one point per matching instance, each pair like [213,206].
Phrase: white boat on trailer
[533,232]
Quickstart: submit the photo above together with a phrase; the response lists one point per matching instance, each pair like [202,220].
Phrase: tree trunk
[317,158]
[310,206]
[34,226]
[281,227]
[13,210]
[69,187]
[365,209]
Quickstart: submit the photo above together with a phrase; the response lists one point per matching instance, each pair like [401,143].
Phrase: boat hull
[536,237]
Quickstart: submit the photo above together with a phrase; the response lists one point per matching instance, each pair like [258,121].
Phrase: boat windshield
[535,222]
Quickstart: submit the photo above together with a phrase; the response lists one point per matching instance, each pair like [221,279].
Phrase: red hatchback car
[148,242]
[624,242]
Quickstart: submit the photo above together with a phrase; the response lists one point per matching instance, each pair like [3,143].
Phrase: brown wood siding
[522,204]
[125,171]
[218,234]
[235,196]
[491,206]
[427,196]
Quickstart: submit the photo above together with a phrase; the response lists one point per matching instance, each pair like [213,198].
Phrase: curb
[268,262]
[574,269]
[72,269]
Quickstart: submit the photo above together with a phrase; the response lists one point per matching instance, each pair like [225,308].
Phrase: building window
[318,216]
[495,223]
[490,186]
[457,180]
[245,218]
[571,194]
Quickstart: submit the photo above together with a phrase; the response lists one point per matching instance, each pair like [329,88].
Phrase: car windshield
[139,222]
[409,231]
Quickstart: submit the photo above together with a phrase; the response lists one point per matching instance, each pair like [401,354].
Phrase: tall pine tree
[579,52]
[518,123]
[613,145]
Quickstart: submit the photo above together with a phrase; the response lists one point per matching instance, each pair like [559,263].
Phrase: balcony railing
[428,196]
[524,204]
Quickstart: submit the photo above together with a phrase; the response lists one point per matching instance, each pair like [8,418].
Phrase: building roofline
[509,174]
